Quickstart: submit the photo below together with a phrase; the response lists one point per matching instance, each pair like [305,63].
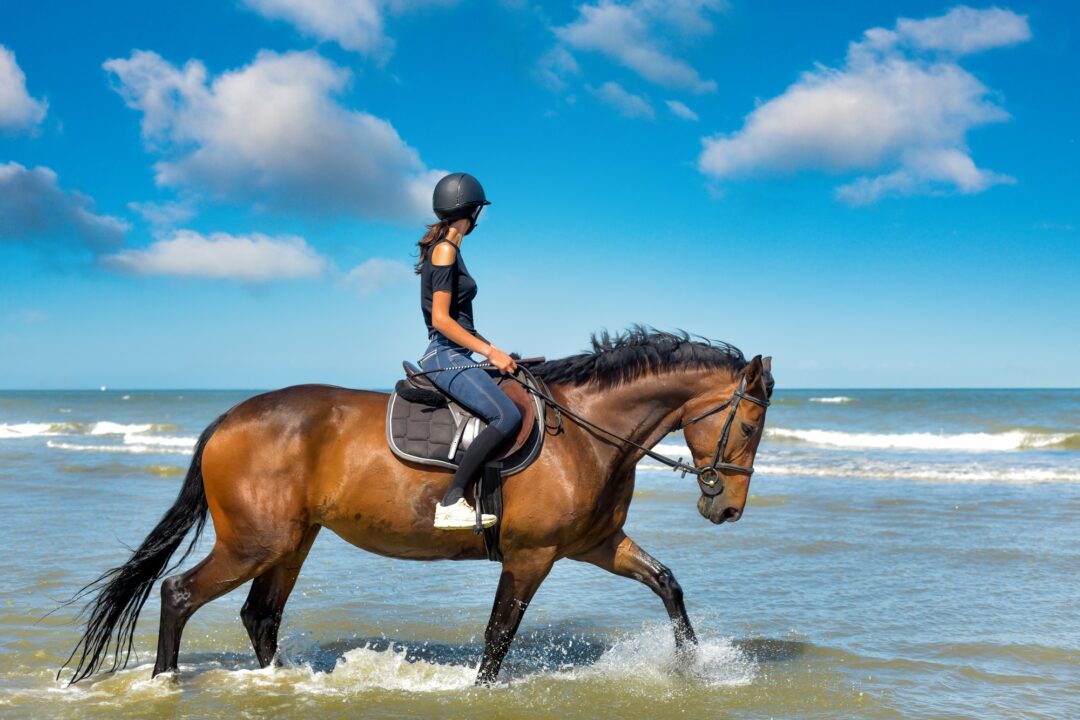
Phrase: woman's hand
[501,360]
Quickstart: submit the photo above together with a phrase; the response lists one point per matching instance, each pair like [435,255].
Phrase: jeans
[473,388]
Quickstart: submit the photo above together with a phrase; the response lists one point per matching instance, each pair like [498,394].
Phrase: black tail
[122,591]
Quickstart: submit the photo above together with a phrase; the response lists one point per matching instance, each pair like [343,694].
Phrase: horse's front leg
[622,556]
[521,576]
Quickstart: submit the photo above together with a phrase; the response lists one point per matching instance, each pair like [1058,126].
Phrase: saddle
[427,426]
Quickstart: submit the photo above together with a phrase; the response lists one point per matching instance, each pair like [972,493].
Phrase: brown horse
[275,469]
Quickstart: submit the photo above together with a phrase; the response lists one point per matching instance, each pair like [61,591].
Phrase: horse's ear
[766,362]
[752,371]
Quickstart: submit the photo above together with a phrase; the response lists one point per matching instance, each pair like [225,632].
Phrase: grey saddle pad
[422,425]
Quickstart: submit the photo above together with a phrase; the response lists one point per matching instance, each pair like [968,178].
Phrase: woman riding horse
[446,294]
[277,468]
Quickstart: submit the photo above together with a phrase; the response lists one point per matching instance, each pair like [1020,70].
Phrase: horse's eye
[747,429]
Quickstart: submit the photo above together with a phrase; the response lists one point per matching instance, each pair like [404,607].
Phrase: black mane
[622,357]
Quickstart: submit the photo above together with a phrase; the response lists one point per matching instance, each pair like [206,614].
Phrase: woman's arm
[443,255]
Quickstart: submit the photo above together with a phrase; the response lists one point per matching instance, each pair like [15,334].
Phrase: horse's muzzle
[716,511]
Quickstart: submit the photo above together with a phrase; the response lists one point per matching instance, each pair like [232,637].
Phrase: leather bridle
[708,476]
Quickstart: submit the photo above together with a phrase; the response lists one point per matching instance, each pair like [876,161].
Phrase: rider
[446,294]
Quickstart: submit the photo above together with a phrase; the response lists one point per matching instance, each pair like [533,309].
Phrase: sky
[228,194]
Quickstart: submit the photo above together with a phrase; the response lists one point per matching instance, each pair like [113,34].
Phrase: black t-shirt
[454,278]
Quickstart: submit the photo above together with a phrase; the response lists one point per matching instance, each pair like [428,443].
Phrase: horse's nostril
[732,514]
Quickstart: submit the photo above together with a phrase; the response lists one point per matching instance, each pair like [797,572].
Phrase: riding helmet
[457,195]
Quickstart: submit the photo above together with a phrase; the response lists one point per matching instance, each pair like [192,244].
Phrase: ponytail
[435,233]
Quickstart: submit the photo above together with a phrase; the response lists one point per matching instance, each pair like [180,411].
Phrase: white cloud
[638,34]
[680,110]
[555,66]
[889,108]
[377,273]
[628,104]
[357,25]
[18,111]
[273,133]
[253,258]
[965,30]
[163,215]
[34,208]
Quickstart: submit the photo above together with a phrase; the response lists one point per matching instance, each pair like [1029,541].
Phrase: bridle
[708,476]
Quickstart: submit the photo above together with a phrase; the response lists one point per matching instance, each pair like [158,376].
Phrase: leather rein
[708,476]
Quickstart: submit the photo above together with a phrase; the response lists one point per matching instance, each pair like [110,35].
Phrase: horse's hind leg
[266,601]
[181,595]
[622,556]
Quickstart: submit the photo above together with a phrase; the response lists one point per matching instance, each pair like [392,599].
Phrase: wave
[136,437]
[173,441]
[101,427]
[977,441]
[839,399]
[861,465]
[27,430]
[133,448]
[106,427]
[886,470]
[959,474]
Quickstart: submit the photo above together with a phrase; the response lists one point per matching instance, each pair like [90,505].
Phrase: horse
[277,468]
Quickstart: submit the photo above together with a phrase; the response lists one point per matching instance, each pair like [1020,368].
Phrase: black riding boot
[479,451]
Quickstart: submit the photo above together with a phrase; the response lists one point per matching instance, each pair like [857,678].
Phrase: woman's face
[473,218]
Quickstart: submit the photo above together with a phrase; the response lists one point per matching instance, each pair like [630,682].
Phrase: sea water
[904,553]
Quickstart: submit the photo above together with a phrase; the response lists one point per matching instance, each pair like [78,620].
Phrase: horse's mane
[639,351]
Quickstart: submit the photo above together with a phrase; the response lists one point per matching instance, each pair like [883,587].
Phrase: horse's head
[723,432]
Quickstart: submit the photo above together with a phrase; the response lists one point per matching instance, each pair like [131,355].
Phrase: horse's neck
[643,410]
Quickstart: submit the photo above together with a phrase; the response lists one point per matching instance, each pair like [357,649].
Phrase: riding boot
[478,452]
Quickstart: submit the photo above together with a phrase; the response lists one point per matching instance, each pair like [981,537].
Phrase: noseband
[708,476]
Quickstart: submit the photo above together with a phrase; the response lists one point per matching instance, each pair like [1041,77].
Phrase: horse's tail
[122,591]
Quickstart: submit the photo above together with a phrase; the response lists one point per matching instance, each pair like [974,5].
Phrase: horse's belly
[415,544]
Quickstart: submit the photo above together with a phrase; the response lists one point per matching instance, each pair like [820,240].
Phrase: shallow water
[847,590]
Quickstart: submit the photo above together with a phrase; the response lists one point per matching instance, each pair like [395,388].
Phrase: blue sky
[209,194]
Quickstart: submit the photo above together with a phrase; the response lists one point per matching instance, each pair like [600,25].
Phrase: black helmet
[457,196]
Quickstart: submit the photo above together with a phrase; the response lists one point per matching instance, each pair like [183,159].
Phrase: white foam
[895,467]
[27,430]
[939,473]
[837,400]
[977,441]
[358,670]
[104,427]
[649,657]
[132,449]
[187,443]
[136,437]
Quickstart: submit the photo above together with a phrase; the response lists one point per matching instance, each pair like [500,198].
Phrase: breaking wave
[975,441]
[132,437]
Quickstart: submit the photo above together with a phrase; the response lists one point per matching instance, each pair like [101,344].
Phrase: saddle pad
[420,433]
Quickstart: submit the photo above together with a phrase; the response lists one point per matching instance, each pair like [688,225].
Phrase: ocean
[904,553]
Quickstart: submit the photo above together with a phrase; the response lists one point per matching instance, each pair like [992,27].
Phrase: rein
[708,476]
